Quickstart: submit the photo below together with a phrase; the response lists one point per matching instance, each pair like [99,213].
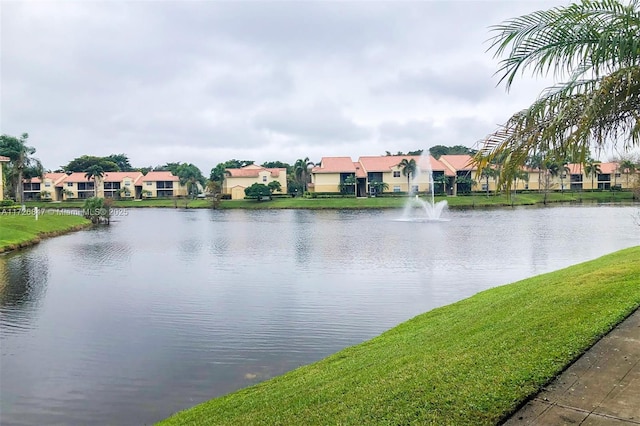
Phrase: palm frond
[591,36]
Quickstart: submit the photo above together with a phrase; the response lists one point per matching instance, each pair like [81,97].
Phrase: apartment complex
[452,174]
[76,186]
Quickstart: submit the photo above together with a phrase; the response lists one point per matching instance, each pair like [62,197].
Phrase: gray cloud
[207,81]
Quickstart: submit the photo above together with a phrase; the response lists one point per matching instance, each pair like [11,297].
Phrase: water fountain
[420,210]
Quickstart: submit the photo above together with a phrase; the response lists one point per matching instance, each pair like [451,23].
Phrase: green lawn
[469,363]
[476,200]
[17,230]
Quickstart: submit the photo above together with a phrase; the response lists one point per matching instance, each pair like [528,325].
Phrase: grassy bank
[467,201]
[469,363]
[18,231]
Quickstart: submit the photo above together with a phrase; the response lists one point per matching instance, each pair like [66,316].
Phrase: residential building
[237,180]
[68,186]
[76,185]
[120,184]
[159,184]
[334,174]
[43,187]
[2,160]
[330,175]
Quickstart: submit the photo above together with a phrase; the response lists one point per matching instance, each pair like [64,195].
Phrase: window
[396,188]
[47,184]
[264,178]
[617,175]
[127,184]
[149,183]
[396,174]
[70,184]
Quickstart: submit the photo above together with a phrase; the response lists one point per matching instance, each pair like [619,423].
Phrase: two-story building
[237,180]
[341,174]
[76,186]
[159,184]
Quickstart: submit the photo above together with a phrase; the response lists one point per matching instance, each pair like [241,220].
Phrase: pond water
[164,309]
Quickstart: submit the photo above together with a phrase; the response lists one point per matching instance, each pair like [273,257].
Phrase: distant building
[76,186]
[237,180]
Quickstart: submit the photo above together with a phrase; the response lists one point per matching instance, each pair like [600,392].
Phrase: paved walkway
[601,388]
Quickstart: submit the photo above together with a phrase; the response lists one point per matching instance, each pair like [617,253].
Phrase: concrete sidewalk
[601,388]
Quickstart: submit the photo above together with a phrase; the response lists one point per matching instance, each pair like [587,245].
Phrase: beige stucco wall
[422,181]
[178,189]
[326,182]
[236,185]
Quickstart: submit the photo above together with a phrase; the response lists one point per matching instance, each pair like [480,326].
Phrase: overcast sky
[207,81]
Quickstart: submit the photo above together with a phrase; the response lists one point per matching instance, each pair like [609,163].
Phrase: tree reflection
[23,285]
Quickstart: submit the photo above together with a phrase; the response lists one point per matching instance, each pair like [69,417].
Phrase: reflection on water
[163,309]
[23,284]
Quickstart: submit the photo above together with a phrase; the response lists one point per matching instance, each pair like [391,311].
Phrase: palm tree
[190,176]
[563,169]
[594,43]
[350,181]
[628,167]
[409,168]
[487,173]
[94,172]
[536,162]
[443,180]
[379,187]
[520,175]
[592,168]
[301,171]
[21,165]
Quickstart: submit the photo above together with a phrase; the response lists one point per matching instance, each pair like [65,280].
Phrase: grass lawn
[20,230]
[477,200]
[469,363]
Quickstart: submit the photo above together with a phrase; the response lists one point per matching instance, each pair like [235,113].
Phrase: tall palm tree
[592,168]
[628,167]
[94,172]
[595,44]
[409,168]
[301,171]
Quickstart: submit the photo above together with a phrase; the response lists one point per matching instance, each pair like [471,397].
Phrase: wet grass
[20,230]
[469,363]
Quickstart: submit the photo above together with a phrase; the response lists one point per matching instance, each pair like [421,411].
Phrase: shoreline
[10,247]
[475,201]
[475,361]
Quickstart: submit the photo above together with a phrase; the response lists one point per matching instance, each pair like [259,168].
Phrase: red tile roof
[2,158]
[120,176]
[384,163]
[253,171]
[54,177]
[609,168]
[155,176]
[335,165]
[360,172]
[458,162]
[75,177]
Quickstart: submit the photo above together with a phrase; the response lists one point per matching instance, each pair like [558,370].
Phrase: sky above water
[207,81]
